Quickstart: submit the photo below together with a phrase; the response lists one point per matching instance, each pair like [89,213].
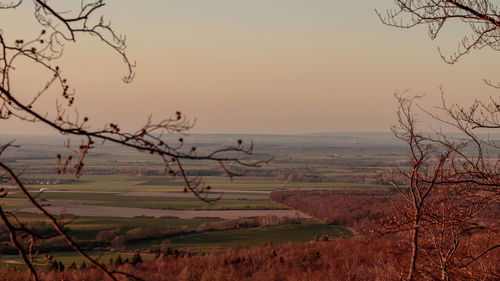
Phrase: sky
[272,67]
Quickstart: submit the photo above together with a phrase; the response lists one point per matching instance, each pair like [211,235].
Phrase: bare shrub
[107,235]
[144,233]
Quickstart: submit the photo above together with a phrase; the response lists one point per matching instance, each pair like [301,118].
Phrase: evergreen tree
[119,260]
[83,265]
[61,266]
[72,266]
[136,258]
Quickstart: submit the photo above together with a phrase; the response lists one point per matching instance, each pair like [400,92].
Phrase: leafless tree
[57,27]
[481,16]
[451,195]
[450,218]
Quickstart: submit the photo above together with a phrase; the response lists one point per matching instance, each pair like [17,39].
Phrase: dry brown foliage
[354,259]
[360,209]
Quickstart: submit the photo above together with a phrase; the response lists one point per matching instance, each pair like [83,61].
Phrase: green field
[210,241]
[88,227]
[147,202]
[121,178]
[114,183]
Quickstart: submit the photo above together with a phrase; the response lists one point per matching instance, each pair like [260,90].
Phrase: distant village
[47,181]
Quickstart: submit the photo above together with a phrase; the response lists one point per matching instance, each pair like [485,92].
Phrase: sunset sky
[281,66]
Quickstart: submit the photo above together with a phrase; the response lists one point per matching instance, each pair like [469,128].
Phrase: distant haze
[283,66]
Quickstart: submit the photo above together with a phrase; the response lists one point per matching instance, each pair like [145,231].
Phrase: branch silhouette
[57,27]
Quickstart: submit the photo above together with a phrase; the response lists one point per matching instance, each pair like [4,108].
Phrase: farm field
[163,201]
[208,242]
[108,183]
[126,212]
[216,241]
[123,203]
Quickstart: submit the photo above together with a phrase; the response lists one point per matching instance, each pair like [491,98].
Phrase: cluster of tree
[338,260]
[119,239]
[360,209]
[352,259]
[53,242]
[344,178]
[457,232]
[57,266]
[41,227]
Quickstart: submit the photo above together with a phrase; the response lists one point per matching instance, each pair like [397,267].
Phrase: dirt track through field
[125,212]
